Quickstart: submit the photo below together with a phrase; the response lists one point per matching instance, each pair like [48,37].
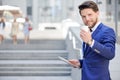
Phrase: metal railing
[74,47]
[73,36]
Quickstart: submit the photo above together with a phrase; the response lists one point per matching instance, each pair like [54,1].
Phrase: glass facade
[54,10]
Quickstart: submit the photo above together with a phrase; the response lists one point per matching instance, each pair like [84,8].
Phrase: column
[35,13]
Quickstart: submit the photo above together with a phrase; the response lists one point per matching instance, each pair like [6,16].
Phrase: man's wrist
[90,42]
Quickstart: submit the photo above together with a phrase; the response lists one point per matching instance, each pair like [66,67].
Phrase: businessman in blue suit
[98,45]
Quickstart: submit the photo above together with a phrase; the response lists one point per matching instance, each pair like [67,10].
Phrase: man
[98,45]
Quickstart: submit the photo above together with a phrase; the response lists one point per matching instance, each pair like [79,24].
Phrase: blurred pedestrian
[26,30]
[2,26]
[14,31]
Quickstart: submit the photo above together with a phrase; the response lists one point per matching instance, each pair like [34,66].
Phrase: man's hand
[75,63]
[85,36]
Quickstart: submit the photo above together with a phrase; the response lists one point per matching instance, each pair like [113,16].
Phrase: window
[118,1]
[109,2]
[29,10]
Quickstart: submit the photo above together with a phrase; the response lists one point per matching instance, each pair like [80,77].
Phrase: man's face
[89,17]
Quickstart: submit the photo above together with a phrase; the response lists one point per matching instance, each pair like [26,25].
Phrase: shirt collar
[94,28]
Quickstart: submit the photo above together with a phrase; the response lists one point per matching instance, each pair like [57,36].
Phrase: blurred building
[40,11]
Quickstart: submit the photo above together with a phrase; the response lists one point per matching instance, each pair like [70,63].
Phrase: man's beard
[91,26]
[94,23]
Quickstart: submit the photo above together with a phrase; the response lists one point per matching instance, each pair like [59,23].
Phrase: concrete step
[35,73]
[34,45]
[34,68]
[10,68]
[33,63]
[32,54]
[35,78]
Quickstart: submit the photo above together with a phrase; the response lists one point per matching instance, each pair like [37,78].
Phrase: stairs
[32,54]
[38,58]
[34,68]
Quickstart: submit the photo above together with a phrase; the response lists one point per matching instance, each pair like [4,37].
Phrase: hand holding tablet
[67,61]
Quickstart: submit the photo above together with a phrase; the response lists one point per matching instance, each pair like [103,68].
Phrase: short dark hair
[88,4]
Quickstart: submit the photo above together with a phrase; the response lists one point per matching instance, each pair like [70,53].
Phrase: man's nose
[87,18]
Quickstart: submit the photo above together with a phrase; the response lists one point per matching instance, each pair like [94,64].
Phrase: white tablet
[65,60]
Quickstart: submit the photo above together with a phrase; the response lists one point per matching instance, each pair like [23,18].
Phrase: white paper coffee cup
[85,28]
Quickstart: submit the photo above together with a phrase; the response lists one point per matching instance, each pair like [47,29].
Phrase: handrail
[73,34]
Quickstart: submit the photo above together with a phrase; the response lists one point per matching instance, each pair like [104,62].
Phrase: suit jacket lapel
[97,30]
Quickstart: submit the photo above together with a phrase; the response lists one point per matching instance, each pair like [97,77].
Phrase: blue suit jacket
[95,63]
